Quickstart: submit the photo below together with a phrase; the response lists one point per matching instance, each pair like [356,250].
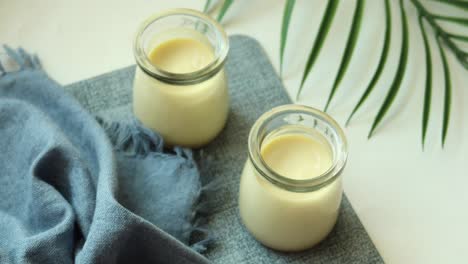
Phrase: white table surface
[413,203]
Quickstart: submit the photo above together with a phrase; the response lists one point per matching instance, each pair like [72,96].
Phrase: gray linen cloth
[73,190]
[254,88]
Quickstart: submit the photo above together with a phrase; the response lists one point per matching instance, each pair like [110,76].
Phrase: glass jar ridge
[298,115]
[200,21]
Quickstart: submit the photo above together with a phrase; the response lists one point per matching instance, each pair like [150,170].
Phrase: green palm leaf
[428,90]
[458,20]
[459,37]
[319,40]
[395,87]
[456,3]
[288,8]
[224,8]
[461,55]
[443,37]
[350,45]
[448,93]
[207,6]
[382,60]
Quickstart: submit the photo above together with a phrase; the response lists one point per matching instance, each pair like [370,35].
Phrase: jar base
[283,248]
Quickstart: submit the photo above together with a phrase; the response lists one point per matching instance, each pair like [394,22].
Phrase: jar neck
[183,20]
[298,119]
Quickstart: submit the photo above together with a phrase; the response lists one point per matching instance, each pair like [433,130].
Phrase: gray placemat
[254,88]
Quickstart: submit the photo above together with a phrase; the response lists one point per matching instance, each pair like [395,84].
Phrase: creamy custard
[188,115]
[181,55]
[288,220]
[297,156]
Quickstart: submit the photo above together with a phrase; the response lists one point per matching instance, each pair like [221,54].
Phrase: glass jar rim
[206,72]
[296,185]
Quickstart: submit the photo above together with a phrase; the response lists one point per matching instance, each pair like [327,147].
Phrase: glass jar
[285,213]
[188,108]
